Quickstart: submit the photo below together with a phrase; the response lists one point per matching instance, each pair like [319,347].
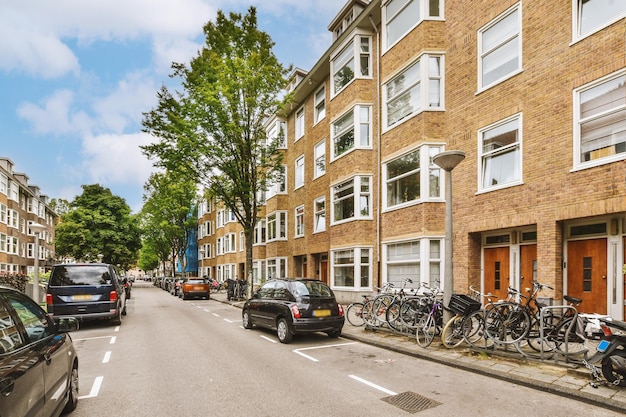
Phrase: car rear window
[80,275]
[195,281]
[312,288]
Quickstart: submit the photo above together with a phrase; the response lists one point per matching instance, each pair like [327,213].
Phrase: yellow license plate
[81,297]
[321,313]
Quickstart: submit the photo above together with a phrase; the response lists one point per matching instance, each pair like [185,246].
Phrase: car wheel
[283,331]
[118,317]
[245,318]
[72,391]
[334,333]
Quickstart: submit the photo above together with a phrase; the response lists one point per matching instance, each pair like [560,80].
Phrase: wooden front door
[324,271]
[586,274]
[528,264]
[496,267]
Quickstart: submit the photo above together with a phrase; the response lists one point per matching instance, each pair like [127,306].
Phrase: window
[352,130]
[276,268]
[419,260]
[299,221]
[3,213]
[299,172]
[4,184]
[277,130]
[320,159]
[500,153]
[279,186]
[417,88]
[277,226]
[352,268]
[319,208]
[259,232]
[351,199]
[300,123]
[400,16]
[500,48]
[342,64]
[592,15]
[320,104]
[406,182]
[600,114]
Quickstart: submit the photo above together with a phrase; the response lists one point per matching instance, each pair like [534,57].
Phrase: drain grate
[411,402]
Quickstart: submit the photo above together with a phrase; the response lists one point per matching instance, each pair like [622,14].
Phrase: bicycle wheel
[392,315]
[452,333]
[567,341]
[378,314]
[425,331]
[354,314]
[534,338]
[474,331]
[507,323]
[409,311]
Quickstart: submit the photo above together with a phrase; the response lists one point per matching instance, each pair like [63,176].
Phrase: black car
[86,291]
[38,363]
[294,306]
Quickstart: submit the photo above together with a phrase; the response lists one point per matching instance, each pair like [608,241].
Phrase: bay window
[351,199]
[277,226]
[352,268]
[342,65]
[352,130]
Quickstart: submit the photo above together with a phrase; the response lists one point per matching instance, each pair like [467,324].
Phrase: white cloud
[54,116]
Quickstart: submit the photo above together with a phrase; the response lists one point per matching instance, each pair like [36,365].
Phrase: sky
[76,77]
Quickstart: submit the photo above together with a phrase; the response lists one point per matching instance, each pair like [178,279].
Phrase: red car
[195,288]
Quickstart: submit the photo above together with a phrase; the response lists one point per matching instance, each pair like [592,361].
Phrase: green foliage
[99,223]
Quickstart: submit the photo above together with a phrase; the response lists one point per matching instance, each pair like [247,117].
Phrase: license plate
[81,297]
[198,288]
[321,313]
[603,346]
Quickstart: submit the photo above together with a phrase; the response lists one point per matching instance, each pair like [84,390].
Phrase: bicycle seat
[573,300]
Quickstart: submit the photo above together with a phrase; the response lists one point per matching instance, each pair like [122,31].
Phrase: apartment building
[532,92]
[22,204]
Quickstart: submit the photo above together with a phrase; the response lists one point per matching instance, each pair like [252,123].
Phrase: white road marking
[91,338]
[107,357]
[230,321]
[117,329]
[95,388]
[268,339]
[299,351]
[113,340]
[371,384]
[216,315]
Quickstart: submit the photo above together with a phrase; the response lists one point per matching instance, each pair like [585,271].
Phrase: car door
[258,305]
[277,305]
[46,350]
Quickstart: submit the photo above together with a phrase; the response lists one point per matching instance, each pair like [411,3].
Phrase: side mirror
[66,325]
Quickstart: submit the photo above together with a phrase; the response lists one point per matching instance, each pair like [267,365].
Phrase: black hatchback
[294,306]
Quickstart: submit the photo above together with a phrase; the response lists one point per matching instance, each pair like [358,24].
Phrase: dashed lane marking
[95,388]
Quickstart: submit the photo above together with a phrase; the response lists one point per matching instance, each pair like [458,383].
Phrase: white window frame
[299,221]
[278,187]
[299,172]
[275,129]
[581,30]
[424,264]
[498,153]
[361,260]
[361,199]
[421,85]
[430,177]
[319,163]
[612,109]
[299,124]
[319,212]
[346,58]
[4,184]
[361,130]
[276,267]
[495,48]
[276,226]
[319,105]
[260,232]
[415,12]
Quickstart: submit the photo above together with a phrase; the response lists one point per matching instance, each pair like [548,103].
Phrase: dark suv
[86,291]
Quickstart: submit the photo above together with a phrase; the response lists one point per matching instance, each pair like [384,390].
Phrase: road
[192,358]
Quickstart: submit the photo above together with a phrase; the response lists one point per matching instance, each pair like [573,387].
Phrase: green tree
[168,215]
[214,130]
[98,223]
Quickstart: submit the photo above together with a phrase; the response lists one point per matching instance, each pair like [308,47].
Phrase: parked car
[86,291]
[175,288]
[195,288]
[38,363]
[294,306]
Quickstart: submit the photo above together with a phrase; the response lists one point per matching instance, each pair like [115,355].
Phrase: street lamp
[36,228]
[448,161]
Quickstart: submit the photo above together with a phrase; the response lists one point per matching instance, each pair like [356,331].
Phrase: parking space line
[216,315]
[371,384]
[95,388]
[230,321]
[299,351]
[268,339]
[107,357]
[113,340]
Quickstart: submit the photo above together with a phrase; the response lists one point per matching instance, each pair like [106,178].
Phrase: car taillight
[606,330]
[340,309]
[113,296]
[49,299]
[295,311]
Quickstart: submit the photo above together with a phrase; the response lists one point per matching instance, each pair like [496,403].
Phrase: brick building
[532,92]
[22,204]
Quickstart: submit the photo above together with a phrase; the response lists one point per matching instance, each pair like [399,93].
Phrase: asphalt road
[192,358]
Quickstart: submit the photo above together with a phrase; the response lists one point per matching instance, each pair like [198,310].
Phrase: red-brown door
[324,271]
[586,274]
[528,264]
[496,267]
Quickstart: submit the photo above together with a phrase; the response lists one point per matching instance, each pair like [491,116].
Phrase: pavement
[549,375]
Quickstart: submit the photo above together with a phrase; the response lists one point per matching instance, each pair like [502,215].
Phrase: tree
[214,131]
[169,215]
[99,223]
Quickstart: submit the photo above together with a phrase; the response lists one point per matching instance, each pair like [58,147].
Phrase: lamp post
[448,161]
[36,228]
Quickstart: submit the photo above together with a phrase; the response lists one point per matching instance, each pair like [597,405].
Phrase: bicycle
[360,313]
[453,333]
[400,314]
[429,318]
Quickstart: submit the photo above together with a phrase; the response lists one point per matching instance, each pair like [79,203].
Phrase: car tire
[334,333]
[245,319]
[72,391]
[283,331]
[117,320]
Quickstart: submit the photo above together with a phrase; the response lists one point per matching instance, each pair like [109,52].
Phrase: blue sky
[76,76]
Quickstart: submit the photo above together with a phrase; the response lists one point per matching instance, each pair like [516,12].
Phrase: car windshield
[80,275]
[311,288]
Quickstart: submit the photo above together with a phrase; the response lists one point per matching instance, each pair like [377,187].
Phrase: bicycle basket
[463,305]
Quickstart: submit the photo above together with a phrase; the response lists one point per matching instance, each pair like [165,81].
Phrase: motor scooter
[610,355]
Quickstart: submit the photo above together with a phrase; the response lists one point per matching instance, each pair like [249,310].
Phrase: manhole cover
[411,402]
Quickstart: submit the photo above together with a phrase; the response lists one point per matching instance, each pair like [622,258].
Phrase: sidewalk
[562,379]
